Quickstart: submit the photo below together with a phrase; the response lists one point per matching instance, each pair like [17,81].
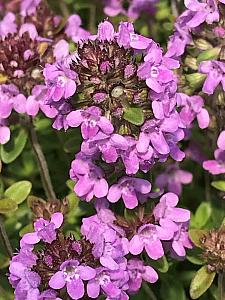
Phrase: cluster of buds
[213,245]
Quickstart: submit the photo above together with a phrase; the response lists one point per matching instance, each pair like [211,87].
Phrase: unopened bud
[209,54]
[191,62]
[202,44]
[195,80]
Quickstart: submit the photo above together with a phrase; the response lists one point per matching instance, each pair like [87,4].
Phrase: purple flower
[181,36]
[138,272]
[61,50]
[129,189]
[192,107]
[90,181]
[181,241]
[110,146]
[25,282]
[30,28]
[26,256]
[156,75]
[28,7]
[91,121]
[72,275]
[9,99]
[113,7]
[217,166]
[103,282]
[153,131]
[60,81]
[8,25]
[37,101]
[206,11]
[168,214]
[105,31]
[74,30]
[134,159]
[49,295]
[44,230]
[173,178]
[215,75]
[149,237]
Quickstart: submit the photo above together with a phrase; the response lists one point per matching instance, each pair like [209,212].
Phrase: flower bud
[202,44]
[191,62]
[195,80]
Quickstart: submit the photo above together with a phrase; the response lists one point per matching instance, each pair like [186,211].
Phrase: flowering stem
[5,239]
[221,285]
[45,177]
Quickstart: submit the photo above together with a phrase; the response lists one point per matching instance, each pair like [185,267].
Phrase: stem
[149,292]
[5,239]
[221,286]
[174,8]
[92,18]
[64,9]
[45,177]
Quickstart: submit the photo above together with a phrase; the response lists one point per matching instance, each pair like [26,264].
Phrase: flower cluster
[98,263]
[29,40]
[127,107]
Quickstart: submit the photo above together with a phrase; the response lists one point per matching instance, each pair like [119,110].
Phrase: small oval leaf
[7,206]
[201,282]
[11,150]
[195,235]
[202,214]
[219,185]
[161,264]
[134,115]
[19,191]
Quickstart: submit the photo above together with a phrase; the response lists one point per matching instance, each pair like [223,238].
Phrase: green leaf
[161,264]
[7,206]
[201,282]
[208,54]
[134,115]
[70,183]
[195,260]
[195,235]
[19,191]
[219,185]
[202,214]
[11,150]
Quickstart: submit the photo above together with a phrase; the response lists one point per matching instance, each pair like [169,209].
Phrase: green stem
[44,172]
[64,9]
[5,239]
[149,292]
[92,18]
[221,286]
